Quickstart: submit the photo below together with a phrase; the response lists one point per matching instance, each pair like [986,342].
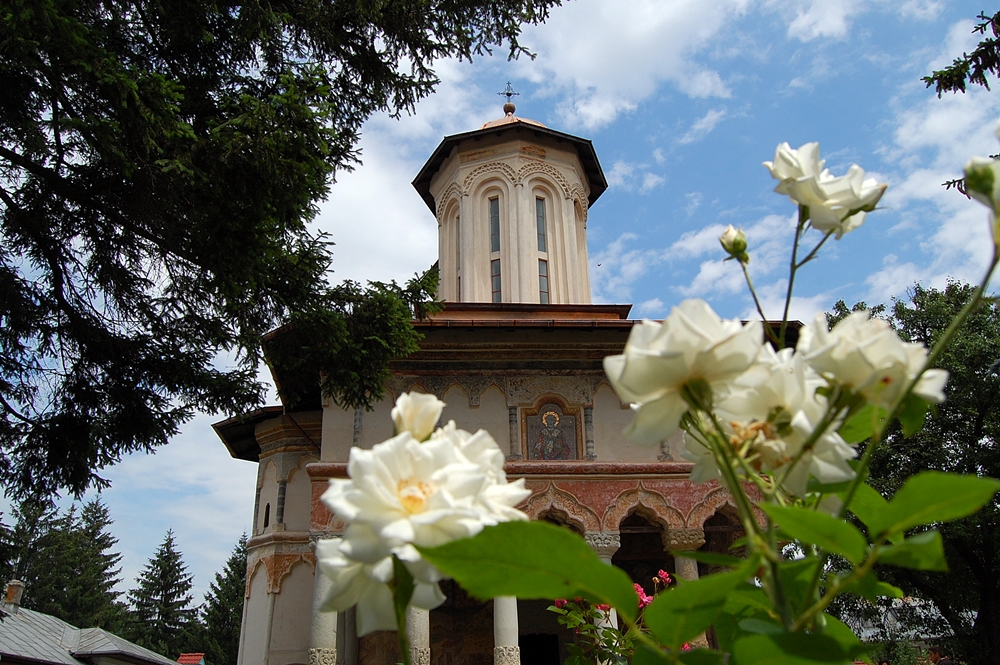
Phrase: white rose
[836,203]
[362,579]
[410,492]
[866,355]
[417,414]
[734,241]
[982,181]
[691,346]
[769,415]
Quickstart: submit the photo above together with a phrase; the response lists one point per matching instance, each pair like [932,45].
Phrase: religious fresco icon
[551,434]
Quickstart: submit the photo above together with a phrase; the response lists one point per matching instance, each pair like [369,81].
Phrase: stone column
[515,434]
[686,568]
[323,633]
[347,637]
[505,631]
[588,433]
[418,629]
[605,544]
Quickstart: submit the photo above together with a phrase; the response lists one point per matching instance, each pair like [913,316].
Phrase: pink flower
[641,593]
[664,576]
[604,608]
[561,603]
[686,647]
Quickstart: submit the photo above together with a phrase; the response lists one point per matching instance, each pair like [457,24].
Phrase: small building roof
[191,659]
[27,636]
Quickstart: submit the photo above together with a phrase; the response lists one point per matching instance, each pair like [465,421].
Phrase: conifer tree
[222,613]
[66,563]
[161,616]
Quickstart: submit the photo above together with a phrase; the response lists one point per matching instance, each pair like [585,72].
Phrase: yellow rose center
[413,494]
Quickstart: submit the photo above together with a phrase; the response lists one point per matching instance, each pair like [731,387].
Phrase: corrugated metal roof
[44,638]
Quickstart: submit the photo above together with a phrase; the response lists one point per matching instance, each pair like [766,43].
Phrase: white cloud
[814,19]
[924,10]
[620,174]
[650,308]
[629,49]
[702,126]
[694,200]
[617,267]
[650,181]
[659,156]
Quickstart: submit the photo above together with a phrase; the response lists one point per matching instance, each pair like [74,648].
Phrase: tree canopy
[962,435]
[160,164]
[222,611]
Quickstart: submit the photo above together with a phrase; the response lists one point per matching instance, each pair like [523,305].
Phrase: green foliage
[222,611]
[830,533]
[594,641]
[962,436]
[533,560]
[160,164]
[686,611]
[971,67]
[67,563]
[161,617]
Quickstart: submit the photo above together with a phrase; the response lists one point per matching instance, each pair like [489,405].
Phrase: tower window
[267,515]
[495,279]
[494,225]
[540,220]
[543,281]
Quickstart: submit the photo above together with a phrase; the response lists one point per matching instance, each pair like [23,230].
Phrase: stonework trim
[553,497]
[322,656]
[507,655]
[420,655]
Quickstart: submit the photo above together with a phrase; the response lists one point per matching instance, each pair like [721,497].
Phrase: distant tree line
[70,568]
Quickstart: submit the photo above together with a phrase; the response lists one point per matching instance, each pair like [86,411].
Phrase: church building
[517,351]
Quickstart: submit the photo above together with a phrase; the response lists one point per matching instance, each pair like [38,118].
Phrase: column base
[323,656]
[508,655]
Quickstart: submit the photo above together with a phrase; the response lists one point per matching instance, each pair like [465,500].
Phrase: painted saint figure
[551,444]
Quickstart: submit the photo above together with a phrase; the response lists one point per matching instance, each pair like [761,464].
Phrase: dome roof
[510,118]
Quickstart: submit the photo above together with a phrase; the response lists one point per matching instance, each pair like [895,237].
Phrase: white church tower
[511,202]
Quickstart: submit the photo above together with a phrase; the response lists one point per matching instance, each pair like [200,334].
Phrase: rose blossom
[836,203]
[769,417]
[417,414]
[692,347]
[734,241]
[866,355]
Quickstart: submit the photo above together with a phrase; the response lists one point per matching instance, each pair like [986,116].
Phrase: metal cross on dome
[509,92]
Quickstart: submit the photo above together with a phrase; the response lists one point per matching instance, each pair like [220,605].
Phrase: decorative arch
[533,167]
[450,195]
[717,499]
[562,518]
[553,498]
[626,503]
[471,181]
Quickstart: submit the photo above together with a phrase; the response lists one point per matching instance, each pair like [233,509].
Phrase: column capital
[684,539]
[605,543]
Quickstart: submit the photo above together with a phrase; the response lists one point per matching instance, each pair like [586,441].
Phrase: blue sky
[683,101]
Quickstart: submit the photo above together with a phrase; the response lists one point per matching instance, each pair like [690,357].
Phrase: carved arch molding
[681,531]
[277,567]
[571,191]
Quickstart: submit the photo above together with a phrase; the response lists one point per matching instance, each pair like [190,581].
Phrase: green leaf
[789,649]
[402,589]
[797,578]
[814,528]
[761,627]
[867,503]
[712,558]
[924,551]
[933,496]
[684,612]
[912,415]
[533,560]
[841,632]
[745,602]
[872,588]
[861,425]
[647,655]
[701,657]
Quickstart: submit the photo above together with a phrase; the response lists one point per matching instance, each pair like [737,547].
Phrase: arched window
[495,280]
